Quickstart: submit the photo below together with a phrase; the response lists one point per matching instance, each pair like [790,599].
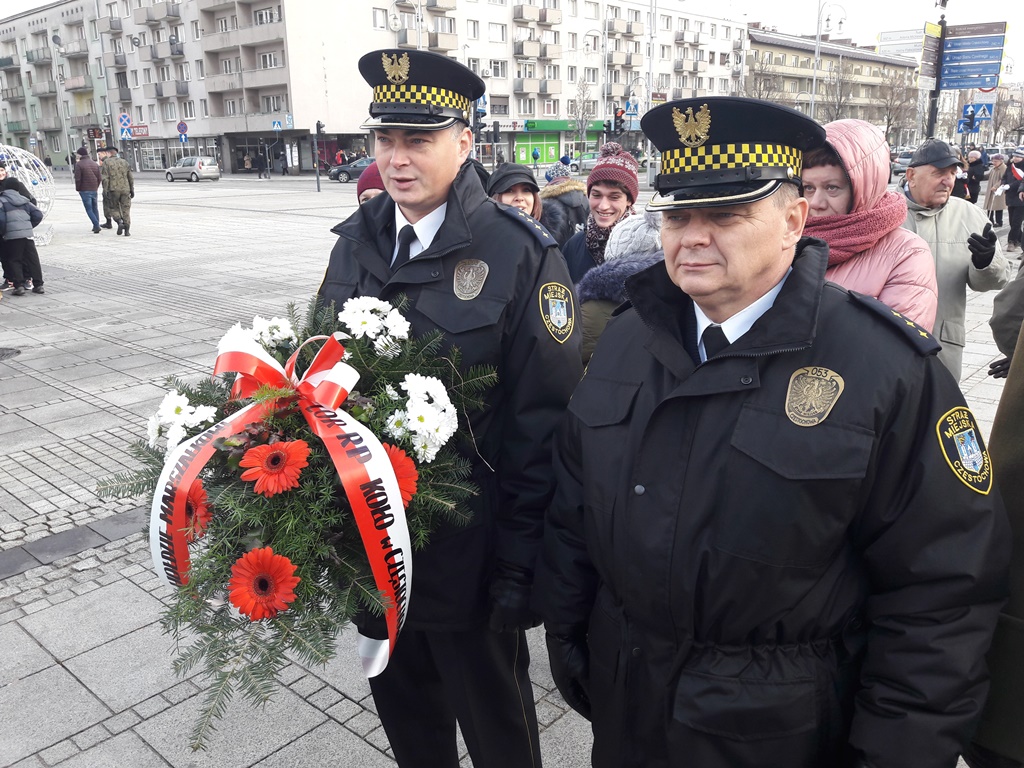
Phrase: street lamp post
[59,78]
[822,5]
[602,49]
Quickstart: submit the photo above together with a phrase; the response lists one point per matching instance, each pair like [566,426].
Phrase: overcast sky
[864,18]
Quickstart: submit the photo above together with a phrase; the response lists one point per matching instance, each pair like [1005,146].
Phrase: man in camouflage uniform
[101,155]
[118,190]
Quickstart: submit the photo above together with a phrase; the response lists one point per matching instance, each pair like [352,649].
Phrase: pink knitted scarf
[857,232]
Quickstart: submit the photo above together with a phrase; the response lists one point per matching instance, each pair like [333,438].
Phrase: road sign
[182,127]
[32,142]
[961,127]
[931,29]
[126,134]
[276,125]
[183,138]
[971,57]
[979,111]
[964,70]
[975,30]
[900,35]
[125,120]
[963,83]
[974,43]
[289,121]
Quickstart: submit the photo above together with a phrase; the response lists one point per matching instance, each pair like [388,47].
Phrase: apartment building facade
[239,76]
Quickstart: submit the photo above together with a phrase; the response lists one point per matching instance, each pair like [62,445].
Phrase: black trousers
[22,261]
[1016,218]
[996,217]
[478,678]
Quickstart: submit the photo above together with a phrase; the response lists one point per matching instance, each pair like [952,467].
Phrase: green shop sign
[561,125]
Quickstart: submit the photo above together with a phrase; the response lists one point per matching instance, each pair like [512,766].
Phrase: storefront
[551,138]
[158,154]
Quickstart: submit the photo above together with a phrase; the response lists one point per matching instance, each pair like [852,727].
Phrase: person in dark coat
[9,181]
[87,182]
[261,166]
[489,278]
[18,217]
[565,204]
[1013,193]
[774,541]
[975,175]
[612,189]
[516,185]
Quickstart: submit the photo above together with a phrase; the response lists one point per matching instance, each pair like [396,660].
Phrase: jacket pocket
[601,402]
[745,710]
[481,312]
[953,332]
[792,490]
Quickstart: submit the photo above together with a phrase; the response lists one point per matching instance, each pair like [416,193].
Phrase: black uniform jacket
[769,583]
[504,327]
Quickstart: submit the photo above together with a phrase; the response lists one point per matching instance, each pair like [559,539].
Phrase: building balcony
[441,42]
[18,126]
[49,124]
[690,37]
[166,50]
[698,93]
[680,65]
[17,93]
[224,82]
[697,66]
[526,49]
[737,44]
[616,26]
[166,90]
[76,49]
[440,6]
[550,51]
[410,4]
[109,25]
[240,123]
[78,83]
[635,60]
[156,14]
[116,60]
[39,56]
[215,5]
[90,120]
[635,29]
[149,53]
[525,13]
[44,88]
[121,94]
[525,85]
[615,58]
[615,90]
[254,35]
[407,38]
[550,16]
[9,62]
[550,87]
[677,93]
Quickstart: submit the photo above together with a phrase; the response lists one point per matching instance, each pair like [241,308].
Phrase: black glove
[510,600]
[983,247]
[131,195]
[999,368]
[570,666]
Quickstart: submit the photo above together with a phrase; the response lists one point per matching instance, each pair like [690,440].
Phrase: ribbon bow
[362,464]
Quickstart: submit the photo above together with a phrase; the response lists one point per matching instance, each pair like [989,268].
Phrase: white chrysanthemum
[153,430]
[397,425]
[391,392]
[175,434]
[173,408]
[424,450]
[366,304]
[424,387]
[273,332]
[397,325]
[446,425]
[362,324]
[386,346]
[201,415]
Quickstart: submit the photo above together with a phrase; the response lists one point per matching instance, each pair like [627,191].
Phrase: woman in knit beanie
[369,184]
[612,190]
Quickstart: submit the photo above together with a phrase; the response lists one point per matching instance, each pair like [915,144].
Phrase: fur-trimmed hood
[557,188]
[607,281]
[565,208]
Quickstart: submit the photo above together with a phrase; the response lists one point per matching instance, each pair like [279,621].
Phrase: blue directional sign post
[964,126]
[972,56]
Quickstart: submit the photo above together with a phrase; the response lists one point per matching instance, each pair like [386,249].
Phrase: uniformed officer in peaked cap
[492,280]
[775,540]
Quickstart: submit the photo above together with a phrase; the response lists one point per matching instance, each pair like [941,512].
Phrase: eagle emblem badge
[470,275]
[396,67]
[693,129]
[812,392]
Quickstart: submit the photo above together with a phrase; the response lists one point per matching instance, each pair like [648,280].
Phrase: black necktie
[405,238]
[714,340]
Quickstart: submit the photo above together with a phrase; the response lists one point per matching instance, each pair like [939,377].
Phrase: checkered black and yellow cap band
[421,94]
[718,157]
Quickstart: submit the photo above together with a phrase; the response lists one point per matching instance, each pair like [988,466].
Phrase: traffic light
[320,128]
[478,129]
[970,121]
[497,132]
[608,127]
[619,126]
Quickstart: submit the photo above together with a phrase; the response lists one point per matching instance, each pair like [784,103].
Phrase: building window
[184,72]
[147,76]
[170,110]
[138,116]
[188,110]
[497,33]
[101,72]
[499,108]
[497,2]
[196,30]
[527,106]
[444,25]
[666,52]
[163,73]
[550,107]
[551,72]
[380,18]
[230,107]
[665,23]
[264,16]
[204,109]
[474,65]
[713,31]
[271,103]
[526,69]
[269,60]
[590,75]
[499,68]
[226,66]
[473,29]
[152,114]
[571,74]
[591,10]
[200,69]
[222,24]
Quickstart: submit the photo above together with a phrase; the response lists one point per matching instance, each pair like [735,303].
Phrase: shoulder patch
[920,339]
[964,449]
[534,227]
[557,311]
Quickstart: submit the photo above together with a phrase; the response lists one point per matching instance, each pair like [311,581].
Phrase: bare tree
[897,101]
[1004,114]
[838,91]
[763,81]
[581,112]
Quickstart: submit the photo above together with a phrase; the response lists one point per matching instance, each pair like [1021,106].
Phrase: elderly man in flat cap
[774,541]
[491,279]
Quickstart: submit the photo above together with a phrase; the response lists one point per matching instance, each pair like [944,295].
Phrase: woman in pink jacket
[869,251]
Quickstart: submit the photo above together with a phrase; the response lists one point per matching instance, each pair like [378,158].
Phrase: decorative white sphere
[31,172]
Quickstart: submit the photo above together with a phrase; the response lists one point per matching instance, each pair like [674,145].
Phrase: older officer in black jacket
[492,280]
[774,542]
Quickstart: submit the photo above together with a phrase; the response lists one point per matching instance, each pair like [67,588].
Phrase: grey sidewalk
[85,677]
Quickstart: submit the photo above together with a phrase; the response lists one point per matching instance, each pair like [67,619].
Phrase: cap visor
[712,196]
[407,124]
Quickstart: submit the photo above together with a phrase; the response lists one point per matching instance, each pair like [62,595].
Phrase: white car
[194,168]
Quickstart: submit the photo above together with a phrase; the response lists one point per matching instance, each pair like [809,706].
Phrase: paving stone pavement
[85,677]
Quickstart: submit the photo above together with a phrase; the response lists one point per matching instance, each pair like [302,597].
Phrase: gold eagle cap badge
[813,391]
[693,129]
[396,67]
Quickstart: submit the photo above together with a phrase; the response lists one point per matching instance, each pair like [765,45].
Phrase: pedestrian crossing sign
[275,125]
[984,112]
[126,134]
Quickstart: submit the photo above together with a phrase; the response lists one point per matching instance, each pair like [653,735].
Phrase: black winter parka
[515,324]
[765,583]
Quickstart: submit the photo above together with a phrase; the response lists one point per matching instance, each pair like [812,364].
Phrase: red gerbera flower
[275,468]
[262,583]
[197,509]
[405,472]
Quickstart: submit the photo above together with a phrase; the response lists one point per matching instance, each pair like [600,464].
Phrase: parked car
[351,170]
[584,162]
[194,168]
[899,166]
